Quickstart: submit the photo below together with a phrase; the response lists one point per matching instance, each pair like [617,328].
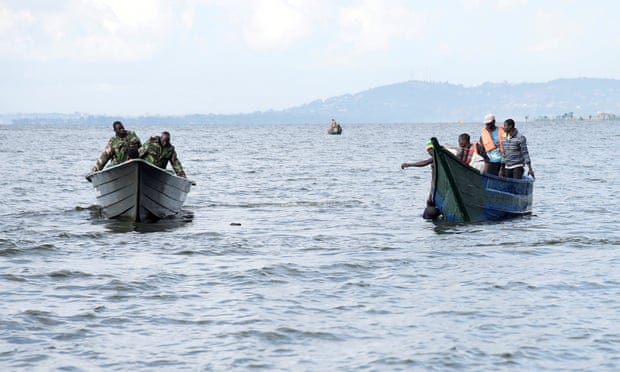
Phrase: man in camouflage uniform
[118,148]
[159,151]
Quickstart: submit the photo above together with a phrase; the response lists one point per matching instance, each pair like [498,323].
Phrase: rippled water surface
[331,268]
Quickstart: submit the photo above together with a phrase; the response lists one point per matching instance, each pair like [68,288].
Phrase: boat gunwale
[141,161]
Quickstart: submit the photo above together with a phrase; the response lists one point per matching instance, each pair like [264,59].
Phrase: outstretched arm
[421,163]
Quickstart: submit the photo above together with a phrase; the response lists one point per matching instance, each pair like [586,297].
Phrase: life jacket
[487,140]
[468,153]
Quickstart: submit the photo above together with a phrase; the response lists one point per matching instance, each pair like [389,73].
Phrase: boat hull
[139,191]
[334,131]
[463,194]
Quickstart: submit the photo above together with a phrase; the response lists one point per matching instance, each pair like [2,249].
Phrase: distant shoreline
[171,120]
[580,99]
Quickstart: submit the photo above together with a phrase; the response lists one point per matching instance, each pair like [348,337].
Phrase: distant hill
[411,101]
[416,101]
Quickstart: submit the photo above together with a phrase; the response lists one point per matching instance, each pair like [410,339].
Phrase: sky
[175,57]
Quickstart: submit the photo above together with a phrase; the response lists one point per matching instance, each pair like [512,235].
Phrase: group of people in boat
[125,145]
[501,151]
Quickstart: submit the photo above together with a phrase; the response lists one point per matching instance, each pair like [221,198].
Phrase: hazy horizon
[187,114]
[162,57]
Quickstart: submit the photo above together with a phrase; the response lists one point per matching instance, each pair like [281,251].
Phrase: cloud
[509,4]
[137,14]
[187,18]
[373,25]
[554,32]
[471,4]
[276,24]
[14,26]
[499,4]
[10,20]
[113,30]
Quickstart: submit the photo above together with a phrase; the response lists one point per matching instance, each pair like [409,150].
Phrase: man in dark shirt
[516,154]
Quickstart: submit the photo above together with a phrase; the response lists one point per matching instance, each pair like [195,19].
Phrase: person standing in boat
[491,139]
[516,155]
[118,148]
[159,151]
[469,153]
[335,127]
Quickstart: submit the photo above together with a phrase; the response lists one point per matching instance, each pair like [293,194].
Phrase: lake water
[331,268]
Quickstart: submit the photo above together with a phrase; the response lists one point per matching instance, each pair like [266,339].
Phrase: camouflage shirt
[117,149]
[153,152]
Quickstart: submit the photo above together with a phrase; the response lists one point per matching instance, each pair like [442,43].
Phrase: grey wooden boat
[139,191]
[337,130]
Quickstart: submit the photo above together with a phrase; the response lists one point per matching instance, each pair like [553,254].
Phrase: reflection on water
[448,227]
[120,225]
[93,209]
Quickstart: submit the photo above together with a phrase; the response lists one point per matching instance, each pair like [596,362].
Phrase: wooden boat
[139,191]
[463,194]
[337,130]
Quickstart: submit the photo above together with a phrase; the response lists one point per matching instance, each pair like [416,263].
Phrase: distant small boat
[336,130]
[139,191]
[463,194]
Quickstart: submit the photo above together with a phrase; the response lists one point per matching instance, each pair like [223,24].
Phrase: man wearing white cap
[491,139]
